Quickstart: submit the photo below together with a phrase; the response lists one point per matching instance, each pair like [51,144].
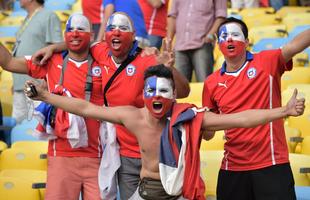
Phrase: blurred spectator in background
[6,5]
[40,28]
[93,10]
[239,4]
[155,17]
[195,23]
[131,8]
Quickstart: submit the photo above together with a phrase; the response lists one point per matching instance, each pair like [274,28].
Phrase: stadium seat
[300,165]
[269,43]
[285,10]
[301,59]
[271,31]
[216,143]
[3,146]
[302,122]
[219,62]
[24,131]
[305,146]
[8,124]
[302,192]
[6,96]
[293,138]
[210,166]
[20,158]
[8,42]
[261,20]
[296,19]
[297,30]
[13,188]
[36,177]
[255,12]
[297,75]
[8,31]
[195,95]
[40,146]
[12,21]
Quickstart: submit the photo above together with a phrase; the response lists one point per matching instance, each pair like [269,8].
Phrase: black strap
[89,81]
[124,64]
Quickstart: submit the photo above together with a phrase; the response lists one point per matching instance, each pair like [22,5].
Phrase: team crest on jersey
[130,70]
[96,71]
[251,73]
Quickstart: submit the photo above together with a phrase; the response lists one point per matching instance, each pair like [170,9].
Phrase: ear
[247,43]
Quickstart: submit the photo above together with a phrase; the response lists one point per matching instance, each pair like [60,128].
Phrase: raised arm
[80,106]
[298,44]
[10,63]
[108,11]
[252,118]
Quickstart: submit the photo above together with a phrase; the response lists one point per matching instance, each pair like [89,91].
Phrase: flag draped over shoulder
[66,125]
[179,163]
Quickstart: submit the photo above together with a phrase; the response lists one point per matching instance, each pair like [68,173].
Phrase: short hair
[244,27]
[40,1]
[159,71]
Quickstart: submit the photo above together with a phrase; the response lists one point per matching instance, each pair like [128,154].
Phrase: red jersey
[256,85]
[155,18]
[74,81]
[93,10]
[126,89]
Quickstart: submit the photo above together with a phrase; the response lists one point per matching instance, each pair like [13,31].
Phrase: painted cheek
[83,37]
[166,106]
[238,50]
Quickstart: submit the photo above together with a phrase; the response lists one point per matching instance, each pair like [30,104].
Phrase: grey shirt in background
[44,28]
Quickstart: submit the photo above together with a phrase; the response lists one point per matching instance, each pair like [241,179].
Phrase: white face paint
[158,86]
[78,22]
[231,30]
[119,21]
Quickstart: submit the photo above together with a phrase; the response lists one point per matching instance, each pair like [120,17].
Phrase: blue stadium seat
[8,31]
[297,30]
[10,123]
[24,131]
[269,43]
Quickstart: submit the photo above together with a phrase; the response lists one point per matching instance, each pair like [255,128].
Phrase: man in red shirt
[255,163]
[125,89]
[155,18]
[70,169]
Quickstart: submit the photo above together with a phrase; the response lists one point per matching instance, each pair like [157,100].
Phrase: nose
[116,31]
[75,33]
[229,38]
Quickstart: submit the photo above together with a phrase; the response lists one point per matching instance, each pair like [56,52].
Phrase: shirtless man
[148,124]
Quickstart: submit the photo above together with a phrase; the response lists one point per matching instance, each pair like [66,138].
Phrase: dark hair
[244,27]
[159,71]
[40,1]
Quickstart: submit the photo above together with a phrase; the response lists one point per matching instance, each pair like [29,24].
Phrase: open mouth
[116,43]
[230,47]
[157,105]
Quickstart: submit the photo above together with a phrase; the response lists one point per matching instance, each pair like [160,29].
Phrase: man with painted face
[163,174]
[70,169]
[256,164]
[125,89]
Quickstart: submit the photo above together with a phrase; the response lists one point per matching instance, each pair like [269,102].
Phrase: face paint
[77,34]
[158,96]
[231,40]
[119,34]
